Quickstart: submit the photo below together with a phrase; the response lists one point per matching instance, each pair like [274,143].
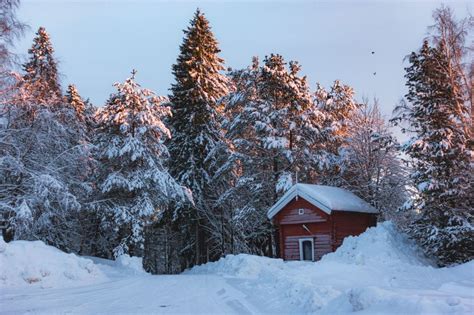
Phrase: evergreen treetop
[194,103]
[75,100]
[41,73]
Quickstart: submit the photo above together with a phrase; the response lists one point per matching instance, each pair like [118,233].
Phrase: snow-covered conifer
[272,123]
[135,186]
[75,101]
[43,163]
[196,132]
[41,74]
[337,107]
[436,113]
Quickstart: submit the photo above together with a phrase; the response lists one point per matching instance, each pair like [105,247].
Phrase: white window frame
[301,240]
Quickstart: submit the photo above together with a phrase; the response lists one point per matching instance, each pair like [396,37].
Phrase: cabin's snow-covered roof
[326,198]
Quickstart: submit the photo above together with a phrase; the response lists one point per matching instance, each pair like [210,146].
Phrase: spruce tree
[41,77]
[435,113]
[134,185]
[75,101]
[196,132]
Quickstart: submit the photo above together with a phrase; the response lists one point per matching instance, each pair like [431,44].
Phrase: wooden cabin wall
[350,224]
[327,231]
[318,227]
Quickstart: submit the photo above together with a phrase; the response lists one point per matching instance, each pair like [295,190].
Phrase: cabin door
[306,249]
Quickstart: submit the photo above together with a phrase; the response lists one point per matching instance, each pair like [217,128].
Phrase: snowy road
[183,294]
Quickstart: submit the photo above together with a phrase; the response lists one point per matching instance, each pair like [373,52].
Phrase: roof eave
[289,195]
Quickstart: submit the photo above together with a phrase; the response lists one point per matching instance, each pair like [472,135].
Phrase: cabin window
[300,211]
[306,249]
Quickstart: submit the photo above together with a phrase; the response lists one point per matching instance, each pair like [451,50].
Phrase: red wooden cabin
[312,220]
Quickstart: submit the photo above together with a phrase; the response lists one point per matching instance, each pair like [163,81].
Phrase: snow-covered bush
[135,264]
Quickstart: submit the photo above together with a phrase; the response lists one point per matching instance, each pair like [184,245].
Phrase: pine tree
[337,107]
[41,75]
[75,101]
[135,187]
[196,132]
[435,113]
[272,124]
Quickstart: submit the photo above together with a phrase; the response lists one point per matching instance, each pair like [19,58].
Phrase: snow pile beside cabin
[25,263]
[379,271]
[381,245]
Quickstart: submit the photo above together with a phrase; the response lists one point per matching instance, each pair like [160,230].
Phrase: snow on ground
[124,264]
[379,272]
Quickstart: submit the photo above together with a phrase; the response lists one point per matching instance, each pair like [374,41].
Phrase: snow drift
[124,265]
[379,272]
[382,245]
[25,263]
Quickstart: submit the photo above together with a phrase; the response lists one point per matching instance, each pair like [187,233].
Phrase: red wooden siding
[327,231]
[289,214]
[320,233]
[350,223]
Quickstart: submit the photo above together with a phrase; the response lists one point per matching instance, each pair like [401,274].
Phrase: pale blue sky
[98,42]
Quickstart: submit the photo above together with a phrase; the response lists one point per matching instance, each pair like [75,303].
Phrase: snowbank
[241,266]
[381,245]
[378,272]
[25,263]
[123,266]
[133,264]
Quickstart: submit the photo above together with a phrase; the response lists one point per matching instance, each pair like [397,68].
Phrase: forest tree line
[188,178]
